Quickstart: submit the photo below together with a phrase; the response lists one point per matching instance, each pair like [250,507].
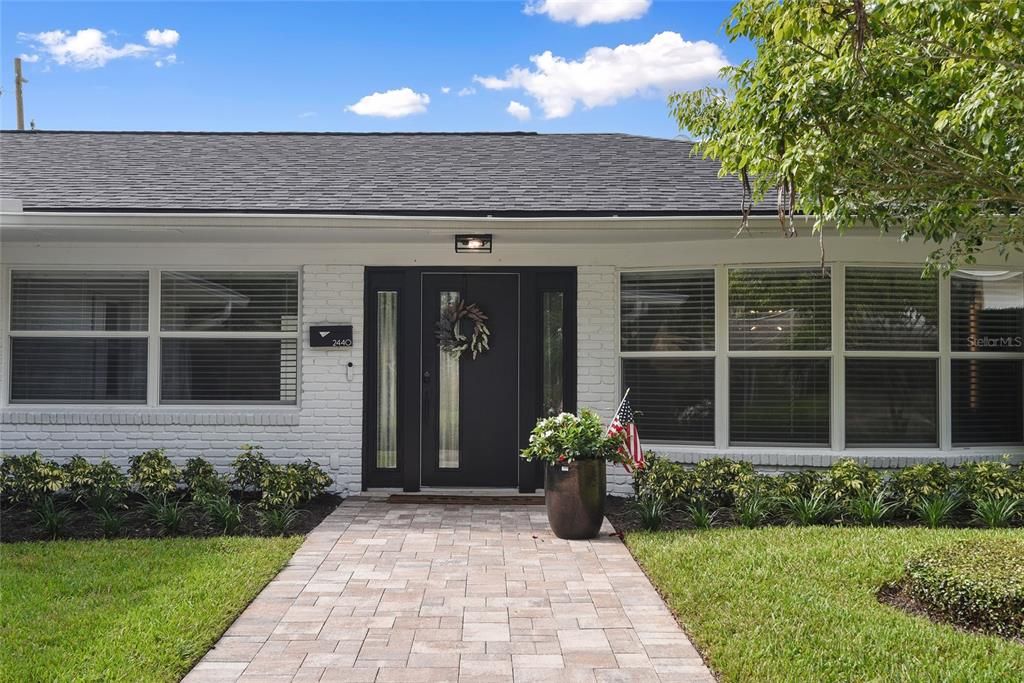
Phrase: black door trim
[407,281]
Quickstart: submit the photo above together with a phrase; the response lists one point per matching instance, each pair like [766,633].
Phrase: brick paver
[410,593]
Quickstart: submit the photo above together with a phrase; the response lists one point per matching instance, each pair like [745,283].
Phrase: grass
[798,604]
[125,610]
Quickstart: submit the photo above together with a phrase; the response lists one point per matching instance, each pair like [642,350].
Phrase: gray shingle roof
[500,174]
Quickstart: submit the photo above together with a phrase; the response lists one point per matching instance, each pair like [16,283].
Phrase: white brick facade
[326,426]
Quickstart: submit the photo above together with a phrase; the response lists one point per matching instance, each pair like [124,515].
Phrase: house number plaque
[331,336]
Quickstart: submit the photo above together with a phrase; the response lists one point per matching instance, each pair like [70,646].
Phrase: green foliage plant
[224,513]
[111,522]
[249,466]
[28,479]
[153,473]
[996,512]
[51,517]
[702,516]
[816,508]
[278,521]
[167,515]
[203,481]
[910,484]
[847,479]
[937,510]
[566,438]
[651,509]
[753,509]
[871,508]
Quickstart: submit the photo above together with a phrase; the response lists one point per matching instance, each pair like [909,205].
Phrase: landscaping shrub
[27,479]
[291,485]
[153,473]
[937,510]
[203,481]
[702,516]
[278,521]
[51,517]
[996,512]
[651,510]
[249,467]
[816,508]
[716,481]
[976,584]
[847,479]
[664,479]
[78,481]
[754,509]
[111,522]
[224,513]
[910,484]
[166,514]
[871,508]
[990,478]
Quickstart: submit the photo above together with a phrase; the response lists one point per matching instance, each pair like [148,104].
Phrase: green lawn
[127,610]
[798,604]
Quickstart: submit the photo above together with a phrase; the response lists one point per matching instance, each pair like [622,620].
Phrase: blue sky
[312,65]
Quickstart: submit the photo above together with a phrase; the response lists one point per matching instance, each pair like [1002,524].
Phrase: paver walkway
[409,593]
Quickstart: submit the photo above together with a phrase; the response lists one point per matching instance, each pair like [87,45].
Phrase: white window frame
[154,335]
[838,355]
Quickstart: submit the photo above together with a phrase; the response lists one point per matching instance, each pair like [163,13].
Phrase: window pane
[891,309]
[229,302]
[891,402]
[779,401]
[553,316]
[387,380]
[987,311]
[987,402]
[787,309]
[81,370]
[673,398]
[448,399]
[79,300]
[228,370]
[668,311]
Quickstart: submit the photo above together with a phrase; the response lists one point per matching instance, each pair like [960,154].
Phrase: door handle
[426,377]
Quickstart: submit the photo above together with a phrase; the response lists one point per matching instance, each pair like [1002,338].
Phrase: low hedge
[974,584]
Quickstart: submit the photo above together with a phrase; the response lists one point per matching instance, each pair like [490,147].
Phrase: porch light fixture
[473,244]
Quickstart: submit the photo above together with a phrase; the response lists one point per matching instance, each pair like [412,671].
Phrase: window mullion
[153,366]
[838,357]
[945,370]
[721,357]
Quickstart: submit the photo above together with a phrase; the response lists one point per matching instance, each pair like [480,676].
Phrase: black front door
[470,406]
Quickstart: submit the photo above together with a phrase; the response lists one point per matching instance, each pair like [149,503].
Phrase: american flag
[623,422]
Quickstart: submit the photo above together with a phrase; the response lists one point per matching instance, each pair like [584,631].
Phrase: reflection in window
[987,311]
[95,301]
[553,319]
[205,370]
[673,399]
[387,380]
[780,309]
[448,397]
[668,311]
[891,309]
[81,370]
[779,401]
[228,302]
[891,402]
[988,406]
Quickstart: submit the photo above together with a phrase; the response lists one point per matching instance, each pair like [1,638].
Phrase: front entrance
[438,418]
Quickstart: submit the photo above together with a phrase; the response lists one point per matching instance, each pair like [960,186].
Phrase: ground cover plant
[43,499]
[787,603]
[128,609]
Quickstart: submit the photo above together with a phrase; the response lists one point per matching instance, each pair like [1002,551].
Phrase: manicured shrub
[651,510]
[78,481]
[292,484]
[716,481]
[664,479]
[913,483]
[108,489]
[28,479]
[847,479]
[203,481]
[801,484]
[991,478]
[938,509]
[249,467]
[153,473]
[976,584]
[996,512]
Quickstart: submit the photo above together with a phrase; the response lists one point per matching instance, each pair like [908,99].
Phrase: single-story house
[199,291]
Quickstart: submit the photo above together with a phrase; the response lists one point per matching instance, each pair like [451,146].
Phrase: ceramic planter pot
[574,498]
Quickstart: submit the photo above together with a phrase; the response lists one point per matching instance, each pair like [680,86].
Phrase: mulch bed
[896,595]
[18,522]
[618,512]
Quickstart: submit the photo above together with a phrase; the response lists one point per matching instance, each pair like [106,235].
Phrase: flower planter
[574,497]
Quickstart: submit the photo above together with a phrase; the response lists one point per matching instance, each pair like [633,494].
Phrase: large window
[780,334]
[668,344]
[892,344]
[86,337]
[855,357]
[78,336]
[987,348]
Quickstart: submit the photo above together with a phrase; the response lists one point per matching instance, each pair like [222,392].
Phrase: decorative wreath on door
[450,338]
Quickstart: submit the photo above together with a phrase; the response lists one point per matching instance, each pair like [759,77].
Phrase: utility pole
[18,80]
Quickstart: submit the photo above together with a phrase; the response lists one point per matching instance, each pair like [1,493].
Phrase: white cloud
[467,91]
[87,48]
[519,111]
[584,12]
[168,60]
[445,90]
[606,75]
[29,59]
[307,114]
[167,37]
[391,104]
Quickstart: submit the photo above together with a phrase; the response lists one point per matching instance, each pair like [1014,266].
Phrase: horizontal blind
[673,399]
[69,300]
[668,311]
[779,401]
[228,302]
[891,309]
[80,370]
[891,402]
[987,311]
[988,408]
[780,309]
[203,370]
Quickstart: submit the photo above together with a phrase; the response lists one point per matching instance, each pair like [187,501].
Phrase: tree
[903,114]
